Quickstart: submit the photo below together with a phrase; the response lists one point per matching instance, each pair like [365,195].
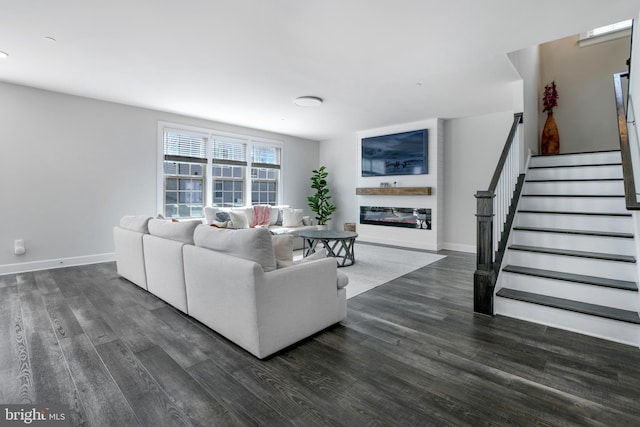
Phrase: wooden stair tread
[582,254]
[576,166]
[575,306]
[581,232]
[574,195]
[575,213]
[575,180]
[570,277]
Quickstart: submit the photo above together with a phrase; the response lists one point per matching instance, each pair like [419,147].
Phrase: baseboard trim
[459,247]
[24,267]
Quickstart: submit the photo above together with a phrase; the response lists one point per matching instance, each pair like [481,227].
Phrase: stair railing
[494,216]
[629,143]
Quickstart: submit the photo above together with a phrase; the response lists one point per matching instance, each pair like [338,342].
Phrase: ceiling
[374,62]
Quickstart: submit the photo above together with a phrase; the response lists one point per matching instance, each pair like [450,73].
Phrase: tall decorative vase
[550,143]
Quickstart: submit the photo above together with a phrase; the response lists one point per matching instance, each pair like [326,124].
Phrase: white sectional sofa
[282,220]
[231,280]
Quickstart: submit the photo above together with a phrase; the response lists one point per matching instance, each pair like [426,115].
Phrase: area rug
[376,265]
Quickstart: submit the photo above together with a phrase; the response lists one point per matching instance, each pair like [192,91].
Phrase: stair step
[576,166]
[575,306]
[578,159]
[581,254]
[574,195]
[575,180]
[575,213]
[581,232]
[569,277]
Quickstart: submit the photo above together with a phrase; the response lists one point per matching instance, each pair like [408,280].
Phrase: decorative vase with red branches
[550,142]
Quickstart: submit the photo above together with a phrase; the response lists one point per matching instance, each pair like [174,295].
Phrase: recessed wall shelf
[393,191]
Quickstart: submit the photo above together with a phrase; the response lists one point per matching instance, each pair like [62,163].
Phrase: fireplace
[396,217]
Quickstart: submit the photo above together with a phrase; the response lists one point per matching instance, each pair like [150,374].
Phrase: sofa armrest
[261,312]
[129,255]
[221,293]
[298,301]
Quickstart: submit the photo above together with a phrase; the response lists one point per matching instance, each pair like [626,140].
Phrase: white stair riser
[575,222]
[575,187]
[571,264]
[623,332]
[577,159]
[574,204]
[576,242]
[586,172]
[599,295]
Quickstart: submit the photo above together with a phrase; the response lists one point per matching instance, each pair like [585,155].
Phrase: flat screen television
[397,154]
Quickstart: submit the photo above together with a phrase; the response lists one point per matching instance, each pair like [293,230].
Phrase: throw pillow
[223,216]
[253,244]
[292,217]
[283,247]
[248,213]
[306,220]
[238,219]
[274,213]
[210,214]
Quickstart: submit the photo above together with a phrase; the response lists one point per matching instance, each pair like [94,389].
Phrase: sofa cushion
[283,247]
[210,214]
[249,243]
[238,219]
[181,231]
[139,223]
[292,217]
[223,216]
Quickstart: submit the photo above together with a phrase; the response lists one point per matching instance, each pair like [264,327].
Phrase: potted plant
[320,201]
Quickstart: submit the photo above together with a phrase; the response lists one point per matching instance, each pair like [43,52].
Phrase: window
[265,174]
[184,168]
[606,33]
[228,177]
[201,168]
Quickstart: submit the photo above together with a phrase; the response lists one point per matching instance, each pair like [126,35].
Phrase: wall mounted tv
[397,154]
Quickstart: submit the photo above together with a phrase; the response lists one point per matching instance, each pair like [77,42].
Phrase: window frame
[210,135]
[606,33]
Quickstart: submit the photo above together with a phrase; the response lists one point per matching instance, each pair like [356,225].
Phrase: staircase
[570,262]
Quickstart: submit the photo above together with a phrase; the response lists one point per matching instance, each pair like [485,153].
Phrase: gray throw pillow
[223,216]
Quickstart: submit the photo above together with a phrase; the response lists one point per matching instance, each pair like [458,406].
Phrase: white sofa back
[261,310]
[127,242]
[163,259]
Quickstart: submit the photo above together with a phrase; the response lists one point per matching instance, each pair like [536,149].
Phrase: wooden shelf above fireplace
[393,191]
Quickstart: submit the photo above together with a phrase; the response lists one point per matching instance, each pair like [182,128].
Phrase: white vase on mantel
[322,227]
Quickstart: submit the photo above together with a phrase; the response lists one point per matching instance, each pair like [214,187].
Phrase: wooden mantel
[393,191]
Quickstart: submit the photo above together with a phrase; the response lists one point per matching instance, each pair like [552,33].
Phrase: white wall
[339,155]
[527,64]
[471,151]
[586,113]
[71,167]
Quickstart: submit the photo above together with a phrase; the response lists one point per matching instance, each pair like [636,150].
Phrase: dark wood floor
[411,352]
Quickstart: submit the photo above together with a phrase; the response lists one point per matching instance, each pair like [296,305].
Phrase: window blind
[184,147]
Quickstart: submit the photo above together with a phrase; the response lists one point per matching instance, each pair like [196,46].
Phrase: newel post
[484,278]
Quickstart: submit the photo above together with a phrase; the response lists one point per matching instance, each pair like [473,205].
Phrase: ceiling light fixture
[4,54]
[308,101]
